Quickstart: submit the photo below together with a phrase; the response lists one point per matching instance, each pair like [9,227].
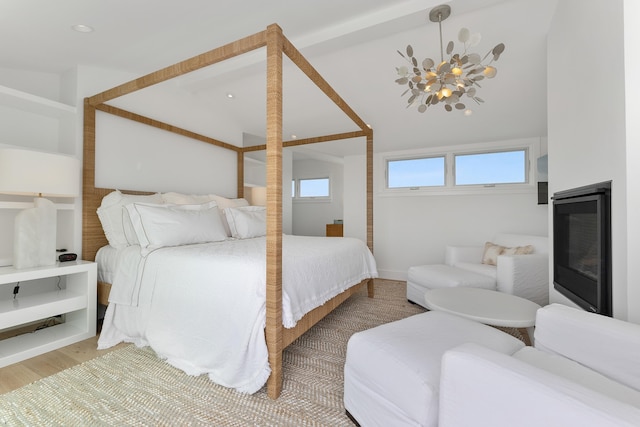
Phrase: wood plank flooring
[30,370]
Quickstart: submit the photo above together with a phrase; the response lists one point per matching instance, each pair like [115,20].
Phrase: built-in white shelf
[76,301]
[14,98]
[21,310]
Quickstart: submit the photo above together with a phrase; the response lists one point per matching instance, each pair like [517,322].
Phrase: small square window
[315,187]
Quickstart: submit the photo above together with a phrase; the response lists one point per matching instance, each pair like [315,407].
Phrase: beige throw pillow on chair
[491,252]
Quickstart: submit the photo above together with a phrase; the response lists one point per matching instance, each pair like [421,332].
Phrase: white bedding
[202,307]
[106,258]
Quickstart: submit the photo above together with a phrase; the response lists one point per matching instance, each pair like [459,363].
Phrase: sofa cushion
[606,345]
[480,387]
[578,373]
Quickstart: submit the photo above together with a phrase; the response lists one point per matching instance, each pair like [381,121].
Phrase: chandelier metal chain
[451,79]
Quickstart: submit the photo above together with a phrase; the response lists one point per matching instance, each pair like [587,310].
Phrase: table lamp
[28,173]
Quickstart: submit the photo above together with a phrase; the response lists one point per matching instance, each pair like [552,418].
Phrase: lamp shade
[27,172]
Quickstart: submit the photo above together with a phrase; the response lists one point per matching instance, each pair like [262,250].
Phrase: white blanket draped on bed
[202,307]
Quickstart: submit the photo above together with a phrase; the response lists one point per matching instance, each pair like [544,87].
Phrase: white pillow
[186,199]
[111,218]
[196,199]
[247,221]
[158,226]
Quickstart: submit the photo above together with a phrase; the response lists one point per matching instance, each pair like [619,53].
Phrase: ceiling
[353,44]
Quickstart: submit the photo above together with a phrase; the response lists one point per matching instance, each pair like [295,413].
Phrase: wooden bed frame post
[274,209]
[370,288]
[88,175]
[240,172]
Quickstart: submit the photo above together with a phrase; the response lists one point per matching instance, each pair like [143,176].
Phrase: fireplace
[582,246]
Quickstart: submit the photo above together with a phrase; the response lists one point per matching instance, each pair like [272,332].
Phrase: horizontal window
[466,169]
[506,167]
[411,173]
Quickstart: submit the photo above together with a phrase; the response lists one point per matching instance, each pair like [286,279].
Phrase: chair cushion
[445,276]
[484,269]
[392,372]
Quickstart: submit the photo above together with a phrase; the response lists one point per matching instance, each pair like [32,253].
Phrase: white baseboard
[392,274]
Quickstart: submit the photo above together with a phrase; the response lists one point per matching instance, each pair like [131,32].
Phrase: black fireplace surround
[582,246]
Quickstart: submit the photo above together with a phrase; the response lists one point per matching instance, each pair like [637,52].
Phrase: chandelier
[450,80]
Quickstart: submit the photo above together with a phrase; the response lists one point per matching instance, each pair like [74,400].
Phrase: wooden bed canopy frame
[276,43]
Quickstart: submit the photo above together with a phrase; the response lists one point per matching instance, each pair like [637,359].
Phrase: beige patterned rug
[131,387]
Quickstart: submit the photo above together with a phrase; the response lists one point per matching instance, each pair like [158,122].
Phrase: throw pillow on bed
[492,251]
[246,222]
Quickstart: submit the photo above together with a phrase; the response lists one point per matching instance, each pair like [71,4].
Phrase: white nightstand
[77,301]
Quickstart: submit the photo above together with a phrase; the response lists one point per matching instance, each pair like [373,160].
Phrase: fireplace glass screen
[582,246]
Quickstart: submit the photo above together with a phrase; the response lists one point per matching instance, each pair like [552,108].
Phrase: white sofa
[526,276]
[583,371]
[392,371]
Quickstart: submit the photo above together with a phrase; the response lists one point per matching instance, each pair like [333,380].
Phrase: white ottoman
[392,372]
[424,277]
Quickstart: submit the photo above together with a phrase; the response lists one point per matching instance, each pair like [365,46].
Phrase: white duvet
[202,307]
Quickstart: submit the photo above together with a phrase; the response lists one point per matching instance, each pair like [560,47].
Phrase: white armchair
[583,371]
[526,276]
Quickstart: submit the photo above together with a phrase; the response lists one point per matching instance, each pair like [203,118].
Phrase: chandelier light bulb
[490,72]
[454,77]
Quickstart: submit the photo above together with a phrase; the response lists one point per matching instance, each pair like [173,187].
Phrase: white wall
[311,216]
[632,69]
[586,119]
[355,197]
[149,159]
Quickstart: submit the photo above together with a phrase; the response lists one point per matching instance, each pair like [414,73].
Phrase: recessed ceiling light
[294,136]
[82,28]
[230,95]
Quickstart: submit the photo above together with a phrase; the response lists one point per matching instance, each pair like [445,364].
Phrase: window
[472,168]
[412,173]
[505,167]
[312,188]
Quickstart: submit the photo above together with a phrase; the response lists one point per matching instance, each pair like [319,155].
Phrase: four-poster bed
[277,337]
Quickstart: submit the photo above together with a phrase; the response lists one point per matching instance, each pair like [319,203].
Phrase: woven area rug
[132,387]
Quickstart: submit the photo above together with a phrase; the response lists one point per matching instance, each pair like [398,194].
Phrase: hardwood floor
[30,370]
